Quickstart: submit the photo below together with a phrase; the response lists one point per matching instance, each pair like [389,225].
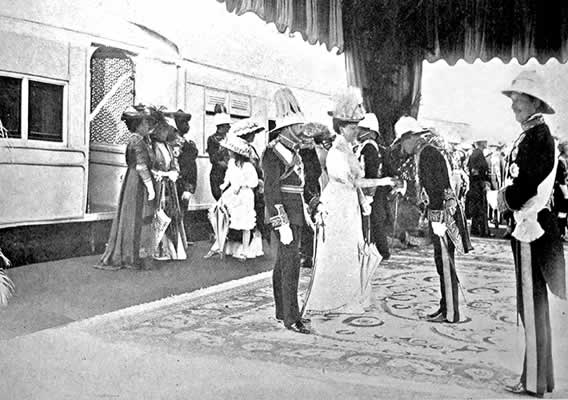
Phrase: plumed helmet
[287,109]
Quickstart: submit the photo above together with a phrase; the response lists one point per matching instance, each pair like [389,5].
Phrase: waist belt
[292,189]
[436,215]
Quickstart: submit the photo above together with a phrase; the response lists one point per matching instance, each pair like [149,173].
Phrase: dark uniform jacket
[187,168]
[312,173]
[478,166]
[274,168]
[534,156]
[435,179]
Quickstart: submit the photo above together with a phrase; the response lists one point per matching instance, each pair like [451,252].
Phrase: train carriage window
[10,105]
[32,108]
[112,91]
[45,112]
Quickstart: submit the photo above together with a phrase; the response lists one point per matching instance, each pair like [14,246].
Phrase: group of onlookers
[149,222]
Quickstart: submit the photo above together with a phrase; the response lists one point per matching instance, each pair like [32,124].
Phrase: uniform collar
[532,121]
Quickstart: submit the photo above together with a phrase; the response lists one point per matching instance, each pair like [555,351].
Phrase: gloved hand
[439,229]
[158,175]
[366,205]
[186,196]
[151,192]
[313,205]
[399,186]
[286,235]
[173,175]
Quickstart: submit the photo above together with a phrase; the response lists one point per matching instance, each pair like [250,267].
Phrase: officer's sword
[314,263]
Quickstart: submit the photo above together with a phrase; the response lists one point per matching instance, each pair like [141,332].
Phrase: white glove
[439,229]
[286,235]
[173,175]
[151,192]
[366,205]
[186,196]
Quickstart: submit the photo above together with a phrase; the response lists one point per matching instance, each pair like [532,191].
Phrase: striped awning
[318,21]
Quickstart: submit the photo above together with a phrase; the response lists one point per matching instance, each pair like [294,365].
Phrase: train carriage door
[112,91]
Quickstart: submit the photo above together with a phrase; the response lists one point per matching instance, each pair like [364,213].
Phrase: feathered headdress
[288,111]
[348,106]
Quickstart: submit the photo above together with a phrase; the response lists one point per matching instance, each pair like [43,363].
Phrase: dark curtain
[382,59]
[385,41]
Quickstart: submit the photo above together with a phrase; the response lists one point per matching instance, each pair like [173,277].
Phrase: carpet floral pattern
[389,339]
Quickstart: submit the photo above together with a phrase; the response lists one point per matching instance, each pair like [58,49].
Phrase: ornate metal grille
[112,91]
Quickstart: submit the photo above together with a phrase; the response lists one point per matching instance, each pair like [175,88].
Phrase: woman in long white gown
[336,285]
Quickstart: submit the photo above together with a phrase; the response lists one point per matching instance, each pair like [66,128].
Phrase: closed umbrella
[219,219]
[369,256]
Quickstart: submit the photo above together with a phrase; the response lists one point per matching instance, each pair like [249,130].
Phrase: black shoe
[519,388]
[302,320]
[438,318]
[434,314]
[299,327]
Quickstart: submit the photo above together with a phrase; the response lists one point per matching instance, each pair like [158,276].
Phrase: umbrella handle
[367,228]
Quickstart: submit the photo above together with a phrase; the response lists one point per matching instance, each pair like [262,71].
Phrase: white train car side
[65,79]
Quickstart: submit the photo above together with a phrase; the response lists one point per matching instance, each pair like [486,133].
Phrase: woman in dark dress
[130,243]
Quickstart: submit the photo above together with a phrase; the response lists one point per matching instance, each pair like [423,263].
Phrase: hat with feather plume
[348,106]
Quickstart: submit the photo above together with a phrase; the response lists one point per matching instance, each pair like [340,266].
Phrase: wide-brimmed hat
[531,83]
[141,111]
[348,106]
[237,145]
[318,132]
[221,116]
[178,115]
[245,127]
[288,111]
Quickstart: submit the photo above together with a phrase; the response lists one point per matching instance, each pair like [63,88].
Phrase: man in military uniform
[536,242]
[284,181]
[447,225]
[218,155]
[371,157]
[479,183]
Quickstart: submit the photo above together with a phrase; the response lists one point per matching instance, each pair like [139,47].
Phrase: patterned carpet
[484,350]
